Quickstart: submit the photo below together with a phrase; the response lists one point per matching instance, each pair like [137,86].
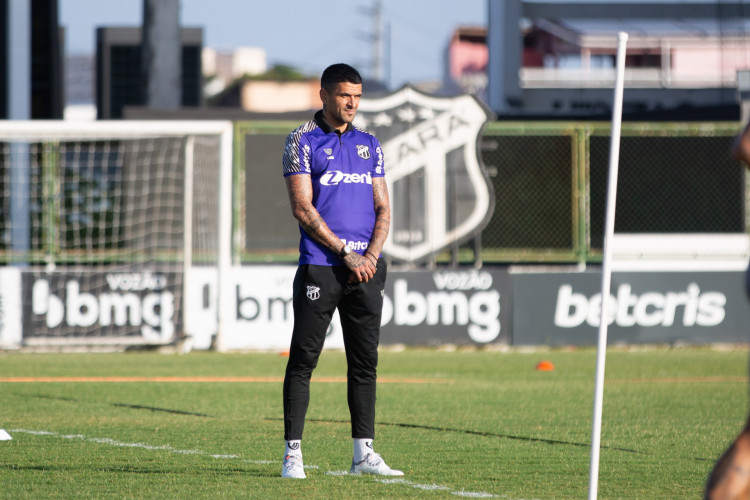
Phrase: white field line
[143,446]
[166,447]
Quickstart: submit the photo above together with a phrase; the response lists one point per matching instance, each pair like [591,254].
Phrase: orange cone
[545,366]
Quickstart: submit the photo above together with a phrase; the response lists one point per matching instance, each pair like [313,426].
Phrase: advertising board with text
[90,307]
[420,308]
[647,307]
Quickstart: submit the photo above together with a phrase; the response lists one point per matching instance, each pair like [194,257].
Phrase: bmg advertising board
[420,308]
[94,306]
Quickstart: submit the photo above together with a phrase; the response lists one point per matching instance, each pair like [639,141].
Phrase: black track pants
[318,291]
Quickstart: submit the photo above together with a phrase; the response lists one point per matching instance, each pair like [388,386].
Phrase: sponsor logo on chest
[336,177]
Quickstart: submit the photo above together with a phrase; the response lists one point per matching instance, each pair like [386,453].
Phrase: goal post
[106,220]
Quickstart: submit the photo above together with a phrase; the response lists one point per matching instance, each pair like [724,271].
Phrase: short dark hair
[338,73]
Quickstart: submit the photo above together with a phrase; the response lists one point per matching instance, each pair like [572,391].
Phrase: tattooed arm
[299,188]
[382,219]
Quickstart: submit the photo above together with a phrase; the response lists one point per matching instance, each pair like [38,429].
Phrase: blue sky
[305,34]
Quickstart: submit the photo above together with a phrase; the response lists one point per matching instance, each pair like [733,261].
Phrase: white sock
[361,448]
[293,447]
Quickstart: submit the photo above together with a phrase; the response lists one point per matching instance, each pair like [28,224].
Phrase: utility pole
[377,41]
[18,87]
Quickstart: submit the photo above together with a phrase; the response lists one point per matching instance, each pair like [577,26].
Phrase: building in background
[241,79]
[222,67]
[118,70]
[269,96]
[670,65]
[465,65]
[535,59]
[553,59]
[34,75]
[79,88]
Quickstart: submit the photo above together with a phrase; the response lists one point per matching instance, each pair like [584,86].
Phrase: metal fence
[550,183]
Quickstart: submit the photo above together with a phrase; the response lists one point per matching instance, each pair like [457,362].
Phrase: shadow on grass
[125,405]
[481,433]
[128,469]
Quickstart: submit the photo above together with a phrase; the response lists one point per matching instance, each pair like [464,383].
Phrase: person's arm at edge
[741,148]
[299,188]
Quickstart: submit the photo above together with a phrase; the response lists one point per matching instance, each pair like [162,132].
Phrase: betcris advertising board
[646,307]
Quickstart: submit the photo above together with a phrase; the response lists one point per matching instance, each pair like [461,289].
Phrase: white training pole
[226,207]
[187,241]
[601,350]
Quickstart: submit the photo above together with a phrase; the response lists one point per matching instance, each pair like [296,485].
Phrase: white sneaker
[373,464]
[293,467]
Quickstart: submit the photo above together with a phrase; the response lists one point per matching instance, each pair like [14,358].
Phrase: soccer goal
[104,220]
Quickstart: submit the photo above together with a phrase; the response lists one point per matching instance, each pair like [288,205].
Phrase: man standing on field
[335,180]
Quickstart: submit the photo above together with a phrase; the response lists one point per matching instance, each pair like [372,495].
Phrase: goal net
[104,219]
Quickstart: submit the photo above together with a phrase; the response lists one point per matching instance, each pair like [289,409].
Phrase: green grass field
[469,423]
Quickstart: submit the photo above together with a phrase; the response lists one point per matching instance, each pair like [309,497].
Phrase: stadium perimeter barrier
[528,277]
